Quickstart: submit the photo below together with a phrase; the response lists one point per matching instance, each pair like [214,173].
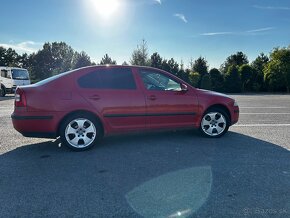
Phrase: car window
[157,81]
[108,78]
[5,74]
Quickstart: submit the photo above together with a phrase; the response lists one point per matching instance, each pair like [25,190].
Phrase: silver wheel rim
[80,133]
[213,123]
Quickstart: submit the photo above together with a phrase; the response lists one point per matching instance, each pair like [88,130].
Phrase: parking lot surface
[246,173]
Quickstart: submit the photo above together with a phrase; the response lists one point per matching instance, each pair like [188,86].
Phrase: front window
[158,81]
[20,74]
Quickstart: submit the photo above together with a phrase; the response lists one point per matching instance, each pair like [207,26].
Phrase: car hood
[212,93]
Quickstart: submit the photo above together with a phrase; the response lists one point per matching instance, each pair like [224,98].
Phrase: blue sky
[182,29]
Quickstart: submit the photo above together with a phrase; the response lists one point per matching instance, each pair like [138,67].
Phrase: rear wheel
[80,131]
[214,123]
[2,91]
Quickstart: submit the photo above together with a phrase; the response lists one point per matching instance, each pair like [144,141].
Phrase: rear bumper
[35,125]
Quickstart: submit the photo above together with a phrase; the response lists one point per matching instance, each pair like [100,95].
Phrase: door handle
[95,97]
[152,97]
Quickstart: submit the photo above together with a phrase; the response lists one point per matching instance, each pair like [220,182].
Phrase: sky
[182,29]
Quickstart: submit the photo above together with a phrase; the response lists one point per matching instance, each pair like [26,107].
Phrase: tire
[2,91]
[214,123]
[80,131]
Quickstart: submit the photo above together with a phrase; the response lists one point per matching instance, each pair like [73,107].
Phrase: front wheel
[80,132]
[214,123]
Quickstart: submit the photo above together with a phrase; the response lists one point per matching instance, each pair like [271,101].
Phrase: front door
[167,106]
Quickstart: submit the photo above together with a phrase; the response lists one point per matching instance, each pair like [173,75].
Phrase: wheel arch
[83,112]
[221,107]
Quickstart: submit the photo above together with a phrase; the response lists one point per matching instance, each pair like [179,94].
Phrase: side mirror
[183,87]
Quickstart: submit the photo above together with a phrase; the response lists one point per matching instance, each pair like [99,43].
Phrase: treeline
[266,73]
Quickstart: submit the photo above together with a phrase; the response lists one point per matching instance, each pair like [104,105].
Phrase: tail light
[20,99]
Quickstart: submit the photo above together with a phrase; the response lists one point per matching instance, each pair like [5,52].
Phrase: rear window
[108,78]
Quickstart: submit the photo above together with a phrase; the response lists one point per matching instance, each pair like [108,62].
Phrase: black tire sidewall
[79,116]
[227,124]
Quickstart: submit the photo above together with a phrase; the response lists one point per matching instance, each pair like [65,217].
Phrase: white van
[11,77]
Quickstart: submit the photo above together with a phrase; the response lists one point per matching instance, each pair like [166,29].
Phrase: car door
[115,95]
[167,105]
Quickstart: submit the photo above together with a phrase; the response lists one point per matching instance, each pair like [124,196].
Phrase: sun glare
[106,9]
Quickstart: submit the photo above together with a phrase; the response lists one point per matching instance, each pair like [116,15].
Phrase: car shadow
[248,177]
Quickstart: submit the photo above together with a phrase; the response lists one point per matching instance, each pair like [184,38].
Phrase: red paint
[118,110]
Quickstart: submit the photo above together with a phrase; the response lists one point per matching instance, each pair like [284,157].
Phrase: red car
[85,104]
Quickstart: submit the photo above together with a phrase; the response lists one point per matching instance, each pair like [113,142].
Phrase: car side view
[86,104]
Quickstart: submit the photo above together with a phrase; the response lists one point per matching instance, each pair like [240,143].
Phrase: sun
[106,9]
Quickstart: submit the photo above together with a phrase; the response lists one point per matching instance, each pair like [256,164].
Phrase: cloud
[216,33]
[247,32]
[181,17]
[22,47]
[158,1]
[271,7]
[260,30]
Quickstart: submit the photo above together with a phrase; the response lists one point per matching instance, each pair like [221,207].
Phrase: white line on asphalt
[259,125]
[266,107]
[267,113]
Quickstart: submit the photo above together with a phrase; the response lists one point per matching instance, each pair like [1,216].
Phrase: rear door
[115,95]
[167,106]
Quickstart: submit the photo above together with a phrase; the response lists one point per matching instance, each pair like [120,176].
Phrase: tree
[140,55]
[81,60]
[173,66]
[107,60]
[9,57]
[200,66]
[237,60]
[52,59]
[258,66]
[205,82]
[246,73]
[217,80]
[277,71]
[156,60]
[233,80]
[194,78]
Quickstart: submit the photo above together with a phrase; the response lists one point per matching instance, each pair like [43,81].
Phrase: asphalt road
[246,173]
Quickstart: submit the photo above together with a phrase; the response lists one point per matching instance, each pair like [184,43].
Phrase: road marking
[266,107]
[261,125]
[267,113]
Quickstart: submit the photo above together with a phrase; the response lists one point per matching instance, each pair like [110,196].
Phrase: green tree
[173,67]
[205,82]
[107,60]
[258,66]
[140,55]
[81,60]
[194,78]
[52,59]
[233,80]
[277,71]
[246,73]
[9,57]
[237,60]
[156,60]
[217,80]
[200,66]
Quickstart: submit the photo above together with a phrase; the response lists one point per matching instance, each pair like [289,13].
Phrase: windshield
[19,74]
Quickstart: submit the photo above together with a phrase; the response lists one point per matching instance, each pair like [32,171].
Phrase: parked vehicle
[11,77]
[83,105]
